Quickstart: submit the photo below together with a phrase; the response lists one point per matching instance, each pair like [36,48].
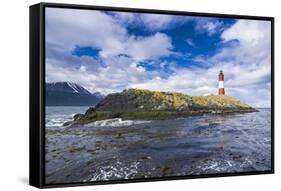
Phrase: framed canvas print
[123,95]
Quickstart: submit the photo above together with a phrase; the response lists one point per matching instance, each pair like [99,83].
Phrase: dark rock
[119,135]
[166,171]
[237,157]
[67,123]
[77,116]
[90,110]
[145,157]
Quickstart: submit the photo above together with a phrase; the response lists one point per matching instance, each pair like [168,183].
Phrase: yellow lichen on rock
[219,101]
[145,100]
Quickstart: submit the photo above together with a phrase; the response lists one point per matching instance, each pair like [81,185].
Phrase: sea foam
[115,122]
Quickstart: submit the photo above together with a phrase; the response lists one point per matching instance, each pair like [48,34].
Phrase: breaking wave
[58,120]
[56,116]
[116,122]
[118,171]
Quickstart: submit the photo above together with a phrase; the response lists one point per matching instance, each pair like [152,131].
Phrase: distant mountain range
[70,94]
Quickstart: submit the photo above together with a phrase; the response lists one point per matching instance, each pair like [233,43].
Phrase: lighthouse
[221,83]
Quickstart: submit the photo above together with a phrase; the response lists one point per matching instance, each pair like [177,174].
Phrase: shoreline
[89,117]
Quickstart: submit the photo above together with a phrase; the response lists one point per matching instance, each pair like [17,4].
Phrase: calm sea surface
[116,149]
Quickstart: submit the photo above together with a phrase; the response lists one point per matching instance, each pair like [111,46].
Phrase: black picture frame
[37,93]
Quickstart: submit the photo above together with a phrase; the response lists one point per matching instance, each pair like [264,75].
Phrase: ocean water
[56,116]
[127,149]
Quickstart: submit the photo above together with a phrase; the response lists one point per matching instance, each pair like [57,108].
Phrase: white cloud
[209,25]
[151,47]
[248,31]
[119,72]
[83,68]
[149,22]
[190,42]
[189,81]
[246,63]
[246,67]
[254,41]
[68,28]
[157,21]
[110,72]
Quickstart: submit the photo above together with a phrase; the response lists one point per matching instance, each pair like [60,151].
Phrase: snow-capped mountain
[69,87]
[70,94]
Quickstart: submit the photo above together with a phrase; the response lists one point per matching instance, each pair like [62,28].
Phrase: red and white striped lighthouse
[221,83]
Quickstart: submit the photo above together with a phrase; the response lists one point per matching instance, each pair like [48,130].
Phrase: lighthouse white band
[221,84]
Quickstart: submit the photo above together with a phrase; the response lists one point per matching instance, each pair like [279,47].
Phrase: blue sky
[112,51]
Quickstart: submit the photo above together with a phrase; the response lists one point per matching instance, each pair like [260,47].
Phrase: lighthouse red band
[221,83]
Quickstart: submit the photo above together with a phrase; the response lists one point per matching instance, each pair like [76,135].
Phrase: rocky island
[139,104]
